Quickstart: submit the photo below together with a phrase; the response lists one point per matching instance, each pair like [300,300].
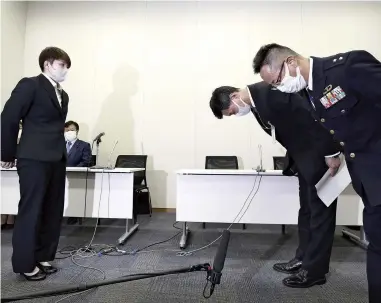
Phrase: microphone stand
[214,278]
[82,287]
[97,153]
[260,166]
[97,149]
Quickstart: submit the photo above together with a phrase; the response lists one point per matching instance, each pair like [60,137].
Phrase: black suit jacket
[79,154]
[306,141]
[34,101]
[346,92]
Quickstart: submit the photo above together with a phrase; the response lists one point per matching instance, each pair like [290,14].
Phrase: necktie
[68,145]
[60,91]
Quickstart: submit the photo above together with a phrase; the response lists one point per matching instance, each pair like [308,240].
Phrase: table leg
[131,227]
[361,241]
[184,236]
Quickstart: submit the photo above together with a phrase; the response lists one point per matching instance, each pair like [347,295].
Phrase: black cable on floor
[174,225]
[153,244]
[109,251]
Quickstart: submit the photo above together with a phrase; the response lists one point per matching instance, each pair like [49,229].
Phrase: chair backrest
[280,163]
[93,160]
[134,161]
[221,162]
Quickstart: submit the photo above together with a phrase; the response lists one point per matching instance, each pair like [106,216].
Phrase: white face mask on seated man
[70,135]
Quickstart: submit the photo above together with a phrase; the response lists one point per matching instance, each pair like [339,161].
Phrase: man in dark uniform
[42,105]
[288,118]
[345,95]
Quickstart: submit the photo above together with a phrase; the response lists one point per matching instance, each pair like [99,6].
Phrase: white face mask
[291,84]
[57,72]
[242,110]
[70,135]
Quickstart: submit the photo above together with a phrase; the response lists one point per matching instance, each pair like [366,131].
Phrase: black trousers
[38,225]
[316,226]
[371,221]
[372,228]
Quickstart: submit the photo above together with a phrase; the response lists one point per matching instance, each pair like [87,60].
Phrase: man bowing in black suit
[41,104]
[344,92]
[310,147]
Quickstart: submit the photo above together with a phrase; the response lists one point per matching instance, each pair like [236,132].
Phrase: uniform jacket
[306,141]
[346,94]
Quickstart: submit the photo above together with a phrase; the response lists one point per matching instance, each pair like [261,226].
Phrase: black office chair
[280,163]
[93,160]
[221,162]
[140,180]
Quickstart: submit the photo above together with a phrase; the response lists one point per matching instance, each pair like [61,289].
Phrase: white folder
[329,188]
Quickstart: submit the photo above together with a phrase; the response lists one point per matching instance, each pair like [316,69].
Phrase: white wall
[13,22]
[143,72]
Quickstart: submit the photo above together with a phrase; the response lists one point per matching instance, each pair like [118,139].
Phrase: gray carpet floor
[247,277]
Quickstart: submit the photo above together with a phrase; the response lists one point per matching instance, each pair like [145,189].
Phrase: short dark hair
[271,54]
[69,123]
[220,99]
[52,53]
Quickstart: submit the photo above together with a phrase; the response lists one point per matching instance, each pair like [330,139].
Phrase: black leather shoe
[303,280]
[39,276]
[291,267]
[47,269]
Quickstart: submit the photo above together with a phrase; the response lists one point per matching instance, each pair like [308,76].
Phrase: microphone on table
[215,273]
[98,138]
[260,166]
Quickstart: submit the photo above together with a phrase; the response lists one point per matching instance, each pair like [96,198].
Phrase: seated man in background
[78,152]
[287,117]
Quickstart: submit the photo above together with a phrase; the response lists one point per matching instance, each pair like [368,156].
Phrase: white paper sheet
[329,188]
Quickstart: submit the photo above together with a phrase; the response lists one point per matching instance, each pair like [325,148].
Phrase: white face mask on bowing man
[243,107]
[238,107]
[290,84]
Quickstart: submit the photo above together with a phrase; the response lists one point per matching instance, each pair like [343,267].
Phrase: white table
[207,195]
[90,193]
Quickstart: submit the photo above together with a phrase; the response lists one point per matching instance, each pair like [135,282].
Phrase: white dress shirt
[251,99]
[310,75]
[253,106]
[55,85]
[71,145]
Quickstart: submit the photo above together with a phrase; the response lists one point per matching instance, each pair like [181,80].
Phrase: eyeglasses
[279,79]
